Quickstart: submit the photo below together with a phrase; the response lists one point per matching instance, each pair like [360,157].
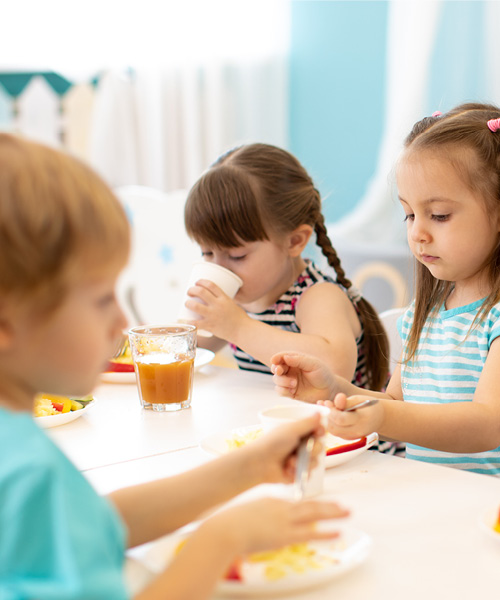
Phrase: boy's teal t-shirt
[59,540]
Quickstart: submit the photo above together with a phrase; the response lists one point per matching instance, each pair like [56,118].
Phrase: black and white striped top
[282,315]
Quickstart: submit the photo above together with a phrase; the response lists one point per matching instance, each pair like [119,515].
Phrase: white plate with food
[338,450]
[289,570]
[203,357]
[61,418]
[489,522]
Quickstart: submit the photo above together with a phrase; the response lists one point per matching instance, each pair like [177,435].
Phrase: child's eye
[440,218]
[106,300]
[240,257]
[409,218]
[206,253]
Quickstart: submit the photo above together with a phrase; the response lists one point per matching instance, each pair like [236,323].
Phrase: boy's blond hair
[57,217]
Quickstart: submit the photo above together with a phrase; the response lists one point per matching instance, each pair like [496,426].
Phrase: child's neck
[463,295]
[297,265]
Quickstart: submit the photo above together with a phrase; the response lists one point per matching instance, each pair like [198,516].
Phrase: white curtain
[161,127]
[180,81]
[411,34]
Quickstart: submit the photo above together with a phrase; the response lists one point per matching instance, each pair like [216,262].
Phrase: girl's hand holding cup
[209,294]
[220,315]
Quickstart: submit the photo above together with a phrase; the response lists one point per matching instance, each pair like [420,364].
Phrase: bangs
[222,209]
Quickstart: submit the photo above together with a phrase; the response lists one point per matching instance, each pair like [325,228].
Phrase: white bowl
[285,413]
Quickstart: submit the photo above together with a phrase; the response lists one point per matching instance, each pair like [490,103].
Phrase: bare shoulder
[330,299]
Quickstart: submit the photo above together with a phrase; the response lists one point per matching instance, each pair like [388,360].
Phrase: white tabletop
[116,429]
[423,519]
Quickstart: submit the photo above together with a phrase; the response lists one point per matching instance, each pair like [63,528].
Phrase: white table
[118,430]
[423,519]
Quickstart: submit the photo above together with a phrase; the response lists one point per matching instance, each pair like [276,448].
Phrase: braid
[324,242]
[375,343]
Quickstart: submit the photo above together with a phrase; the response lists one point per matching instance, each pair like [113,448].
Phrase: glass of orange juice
[163,358]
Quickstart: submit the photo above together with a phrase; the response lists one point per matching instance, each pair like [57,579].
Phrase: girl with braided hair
[443,398]
[254,212]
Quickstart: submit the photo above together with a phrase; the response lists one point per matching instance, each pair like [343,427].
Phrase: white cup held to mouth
[228,282]
[277,415]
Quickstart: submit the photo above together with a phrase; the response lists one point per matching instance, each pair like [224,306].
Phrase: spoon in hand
[363,404]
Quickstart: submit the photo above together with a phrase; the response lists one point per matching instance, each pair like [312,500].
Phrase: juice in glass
[163,358]
[165,382]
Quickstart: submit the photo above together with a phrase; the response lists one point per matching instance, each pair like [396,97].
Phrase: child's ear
[298,239]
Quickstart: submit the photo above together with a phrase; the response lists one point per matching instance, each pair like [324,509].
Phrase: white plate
[203,357]
[216,444]
[486,522]
[63,418]
[337,557]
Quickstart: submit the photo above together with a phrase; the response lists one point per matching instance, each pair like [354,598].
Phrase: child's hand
[221,316]
[271,523]
[272,457]
[354,424]
[302,376]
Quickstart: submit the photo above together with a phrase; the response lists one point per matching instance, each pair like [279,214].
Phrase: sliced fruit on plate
[233,572]
[361,443]
[52,404]
[496,526]
[119,366]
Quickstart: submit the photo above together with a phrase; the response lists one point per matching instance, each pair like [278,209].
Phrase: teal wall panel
[337,84]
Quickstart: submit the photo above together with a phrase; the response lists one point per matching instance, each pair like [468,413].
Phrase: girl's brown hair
[464,140]
[56,217]
[257,190]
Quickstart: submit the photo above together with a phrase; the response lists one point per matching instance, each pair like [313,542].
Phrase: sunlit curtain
[178,82]
[162,127]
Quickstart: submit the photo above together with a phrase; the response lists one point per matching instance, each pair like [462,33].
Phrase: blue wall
[337,85]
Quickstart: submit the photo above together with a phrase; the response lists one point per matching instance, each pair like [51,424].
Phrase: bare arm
[157,508]
[307,378]
[461,427]
[153,509]
[243,529]
[327,320]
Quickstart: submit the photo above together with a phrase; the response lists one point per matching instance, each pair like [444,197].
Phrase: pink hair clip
[494,125]
[437,113]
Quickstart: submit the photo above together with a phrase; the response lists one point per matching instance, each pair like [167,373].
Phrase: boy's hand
[221,315]
[354,424]
[302,376]
[271,523]
[272,457]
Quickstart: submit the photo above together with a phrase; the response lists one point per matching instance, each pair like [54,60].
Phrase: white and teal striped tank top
[447,368]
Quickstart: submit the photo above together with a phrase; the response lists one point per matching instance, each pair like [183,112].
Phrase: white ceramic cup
[277,415]
[228,282]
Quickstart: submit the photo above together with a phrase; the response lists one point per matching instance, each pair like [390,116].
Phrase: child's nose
[221,261]
[121,320]
[418,232]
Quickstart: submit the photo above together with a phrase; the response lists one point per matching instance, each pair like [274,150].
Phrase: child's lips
[428,258]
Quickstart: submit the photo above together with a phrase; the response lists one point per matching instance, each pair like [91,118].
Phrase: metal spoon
[368,402]
[302,470]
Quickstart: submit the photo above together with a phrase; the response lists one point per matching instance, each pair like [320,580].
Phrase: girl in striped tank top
[444,397]
[254,212]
